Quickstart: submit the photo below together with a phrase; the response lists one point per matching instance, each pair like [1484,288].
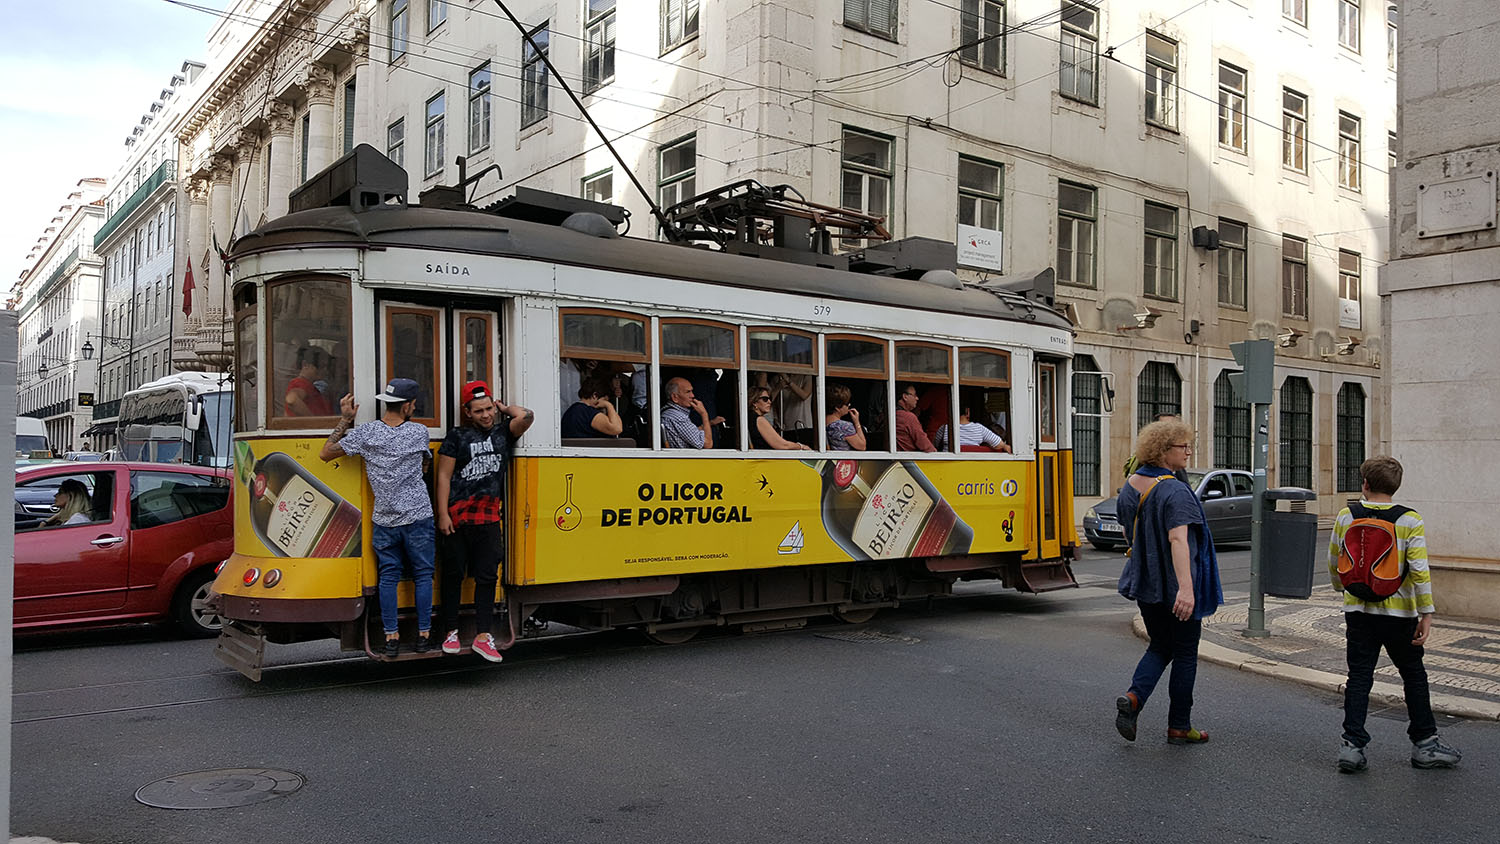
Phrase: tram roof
[479,233]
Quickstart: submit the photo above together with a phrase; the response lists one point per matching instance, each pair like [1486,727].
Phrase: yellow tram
[539,292]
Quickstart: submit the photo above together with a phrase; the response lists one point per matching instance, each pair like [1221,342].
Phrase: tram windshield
[309,350]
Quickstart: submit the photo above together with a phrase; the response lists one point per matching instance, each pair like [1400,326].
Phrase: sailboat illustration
[792,542]
[568,515]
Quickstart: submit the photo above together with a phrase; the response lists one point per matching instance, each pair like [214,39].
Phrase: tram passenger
[843,434]
[969,432]
[677,428]
[302,395]
[909,433]
[763,434]
[471,467]
[72,503]
[394,449]
[594,414]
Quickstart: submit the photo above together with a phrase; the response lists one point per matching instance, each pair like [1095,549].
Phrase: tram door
[1048,463]
[441,349]
[476,350]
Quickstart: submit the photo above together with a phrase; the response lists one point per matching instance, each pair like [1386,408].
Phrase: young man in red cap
[471,467]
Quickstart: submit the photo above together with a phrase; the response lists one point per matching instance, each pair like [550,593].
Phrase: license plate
[1105,527]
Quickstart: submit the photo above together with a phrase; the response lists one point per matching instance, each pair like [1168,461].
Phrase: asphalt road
[986,717]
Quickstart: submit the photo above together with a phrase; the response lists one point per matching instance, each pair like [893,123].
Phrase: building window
[1351,434]
[1349,24]
[679,23]
[1390,150]
[1077,218]
[395,142]
[434,137]
[1349,289]
[877,17]
[1390,37]
[599,52]
[1078,76]
[867,173]
[677,171]
[400,23]
[981,34]
[599,187]
[1293,277]
[534,77]
[1231,107]
[1293,130]
[306,141]
[1161,251]
[1233,248]
[172,209]
[1295,10]
[1296,433]
[1158,391]
[979,189]
[349,102]
[1161,81]
[1348,151]
[1231,426]
[437,12]
[479,108]
[1088,414]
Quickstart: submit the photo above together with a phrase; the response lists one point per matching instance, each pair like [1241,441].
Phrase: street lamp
[88,347]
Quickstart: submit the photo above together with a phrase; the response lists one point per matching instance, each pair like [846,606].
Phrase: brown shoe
[1191,735]
[1128,708]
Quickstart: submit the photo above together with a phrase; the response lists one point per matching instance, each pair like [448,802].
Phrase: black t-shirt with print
[477,487]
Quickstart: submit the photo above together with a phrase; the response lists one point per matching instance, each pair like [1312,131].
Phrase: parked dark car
[1226,495]
[142,548]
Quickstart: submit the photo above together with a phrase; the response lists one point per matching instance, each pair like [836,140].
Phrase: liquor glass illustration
[293,512]
[887,509]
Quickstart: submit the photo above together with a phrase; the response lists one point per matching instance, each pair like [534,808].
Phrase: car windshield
[1195,478]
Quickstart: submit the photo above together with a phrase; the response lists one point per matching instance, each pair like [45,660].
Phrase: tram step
[242,647]
[1046,577]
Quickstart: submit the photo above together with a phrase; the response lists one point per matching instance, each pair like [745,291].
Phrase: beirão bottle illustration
[294,513]
[887,509]
[567,516]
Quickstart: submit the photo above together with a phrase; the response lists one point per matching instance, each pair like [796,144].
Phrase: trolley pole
[1258,359]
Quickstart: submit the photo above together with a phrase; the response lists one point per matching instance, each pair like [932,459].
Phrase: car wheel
[190,608]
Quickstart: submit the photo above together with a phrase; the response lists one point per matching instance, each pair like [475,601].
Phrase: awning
[98,428]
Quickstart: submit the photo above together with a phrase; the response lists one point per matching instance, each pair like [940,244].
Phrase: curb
[1387,693]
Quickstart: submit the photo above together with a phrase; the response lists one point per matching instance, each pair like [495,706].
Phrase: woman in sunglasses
[762,432]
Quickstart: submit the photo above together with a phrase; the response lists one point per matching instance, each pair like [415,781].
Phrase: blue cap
[400,391]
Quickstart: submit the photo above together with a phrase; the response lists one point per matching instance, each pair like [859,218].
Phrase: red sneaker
[451,645]
[485,647]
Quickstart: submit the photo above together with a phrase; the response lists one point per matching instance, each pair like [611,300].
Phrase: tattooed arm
[331,449]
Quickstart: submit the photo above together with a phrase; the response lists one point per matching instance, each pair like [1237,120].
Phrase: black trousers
[475,551]
[1366,634]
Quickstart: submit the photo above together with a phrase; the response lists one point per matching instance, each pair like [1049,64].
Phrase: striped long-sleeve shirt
[1415,595]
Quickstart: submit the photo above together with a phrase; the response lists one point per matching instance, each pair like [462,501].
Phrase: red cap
[474,390]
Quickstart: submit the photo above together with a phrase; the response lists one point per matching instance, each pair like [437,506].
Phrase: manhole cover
[221,789]
[868,637]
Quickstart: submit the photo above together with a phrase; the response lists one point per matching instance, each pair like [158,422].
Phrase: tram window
[927,369]
[477,331]
[246,349]
[782,362]
[411,351]
[308,351]
[862,366]
[611,349]
[706,355]
[984,400]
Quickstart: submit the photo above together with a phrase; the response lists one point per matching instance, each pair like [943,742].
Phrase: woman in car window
[72,503]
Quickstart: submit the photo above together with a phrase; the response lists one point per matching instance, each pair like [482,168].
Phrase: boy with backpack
[1378,559]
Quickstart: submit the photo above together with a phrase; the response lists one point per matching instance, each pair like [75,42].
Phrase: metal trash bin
[1289,542]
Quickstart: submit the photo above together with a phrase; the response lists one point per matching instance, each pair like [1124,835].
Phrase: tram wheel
[855,616]
[674,636]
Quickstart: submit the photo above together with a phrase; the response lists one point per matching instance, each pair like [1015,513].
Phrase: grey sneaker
[1432,753]
[1351,758]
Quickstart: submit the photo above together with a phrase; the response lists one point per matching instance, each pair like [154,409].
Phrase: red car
[115,543]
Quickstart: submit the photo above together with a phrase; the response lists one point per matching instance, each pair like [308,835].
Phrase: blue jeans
[1174,642]
[415,544]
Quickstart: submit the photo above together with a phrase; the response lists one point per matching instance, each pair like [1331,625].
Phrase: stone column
[318,83]
[210,344]
[185,340]
[283,173]
[356,42]
[247,167]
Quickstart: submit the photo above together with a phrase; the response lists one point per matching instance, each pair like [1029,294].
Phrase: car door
[72,571]
[1214,492]
[174,515]
[1243,499]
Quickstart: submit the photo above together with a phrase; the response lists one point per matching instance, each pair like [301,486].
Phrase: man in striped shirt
[1400,624]
[677,428]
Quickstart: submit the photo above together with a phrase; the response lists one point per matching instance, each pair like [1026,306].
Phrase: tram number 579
[822,310]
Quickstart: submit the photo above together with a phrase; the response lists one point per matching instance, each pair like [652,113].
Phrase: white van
[31,437]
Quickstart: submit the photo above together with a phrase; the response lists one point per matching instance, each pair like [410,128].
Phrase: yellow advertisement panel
[590,519]
[291,504]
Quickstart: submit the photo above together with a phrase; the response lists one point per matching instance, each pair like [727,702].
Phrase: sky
[79,75]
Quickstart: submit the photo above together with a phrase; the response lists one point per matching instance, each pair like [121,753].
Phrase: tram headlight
[251,575]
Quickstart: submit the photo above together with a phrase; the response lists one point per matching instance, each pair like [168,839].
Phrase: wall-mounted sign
[85,399]
[1453,206]
[1349,313]
[978,248]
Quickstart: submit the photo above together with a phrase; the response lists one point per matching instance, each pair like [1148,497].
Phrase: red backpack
[1371,566]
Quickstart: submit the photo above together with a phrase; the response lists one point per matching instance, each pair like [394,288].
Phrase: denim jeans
[475,550]
[394,548]
[1365,635]
[1175,642]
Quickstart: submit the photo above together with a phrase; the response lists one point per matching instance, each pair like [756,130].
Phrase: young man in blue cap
[394,449]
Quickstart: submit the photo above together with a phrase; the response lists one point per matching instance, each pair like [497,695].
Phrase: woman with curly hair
[1171,574]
